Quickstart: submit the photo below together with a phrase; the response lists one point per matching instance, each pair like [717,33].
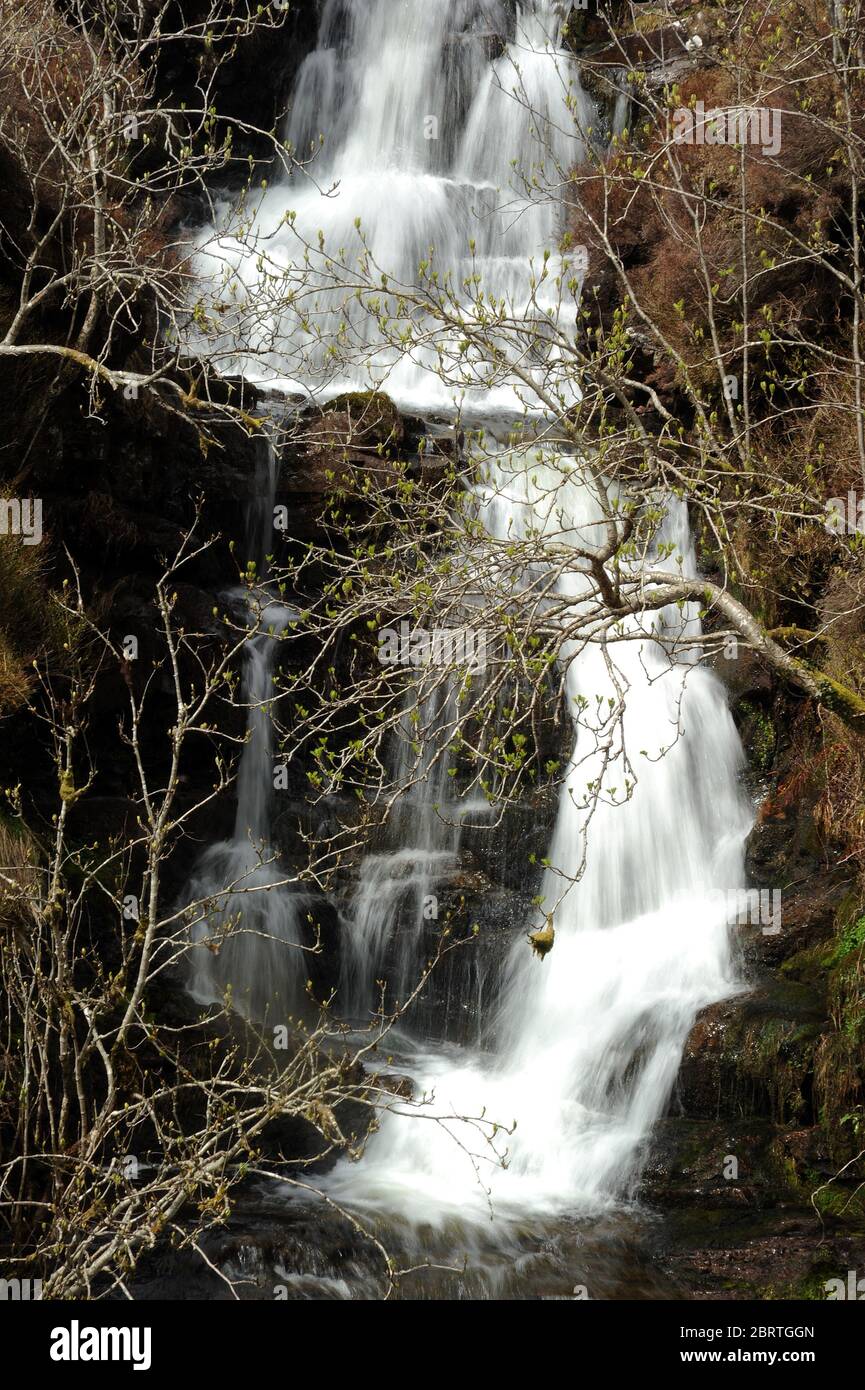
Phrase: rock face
[254,81]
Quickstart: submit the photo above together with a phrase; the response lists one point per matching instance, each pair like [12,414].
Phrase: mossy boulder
[753,1056]
[369,418]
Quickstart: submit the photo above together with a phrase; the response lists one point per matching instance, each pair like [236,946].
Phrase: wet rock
[324,449]
[753,1055]
[584,26]
[807,921]
[722,1163]
[743,672]
[511,853]
[784,848]
[274,1249]
[737,1215]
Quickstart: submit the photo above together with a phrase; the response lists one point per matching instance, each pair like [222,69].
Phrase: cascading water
[396,885]
[589,1040]
[244,891]
[437,155]
[431,142]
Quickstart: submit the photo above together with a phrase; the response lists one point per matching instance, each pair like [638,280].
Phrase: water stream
[240,880]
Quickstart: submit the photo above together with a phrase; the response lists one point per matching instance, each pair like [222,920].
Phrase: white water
[590,1039]
[396,883]
[248,909]
[429,149]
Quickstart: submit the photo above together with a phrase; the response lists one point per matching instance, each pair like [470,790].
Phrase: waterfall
[421,132]
[243,890]
[444,120]
[589,1040]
